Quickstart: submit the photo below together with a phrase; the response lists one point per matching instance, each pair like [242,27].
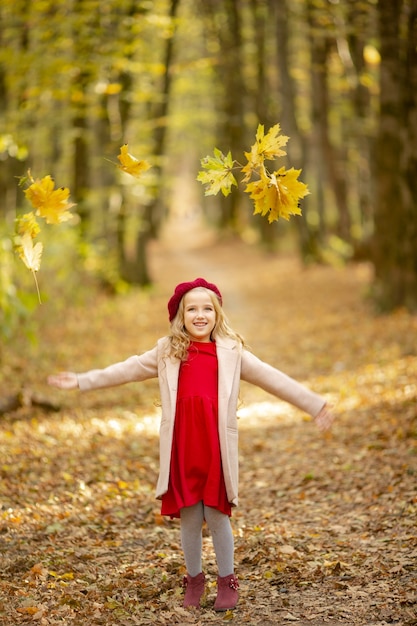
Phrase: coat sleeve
[135,368]
[277,383]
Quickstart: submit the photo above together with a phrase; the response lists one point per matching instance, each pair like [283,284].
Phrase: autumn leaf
[266,147]
[278,195]
[218,175]
[130,164]
[38,571]
[27,224]
[28,610]
[275,195]
[66,576]
[30,255]
[269,146]
[50,203]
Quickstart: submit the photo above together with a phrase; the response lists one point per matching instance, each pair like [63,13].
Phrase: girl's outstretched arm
[324,419]
[64,380]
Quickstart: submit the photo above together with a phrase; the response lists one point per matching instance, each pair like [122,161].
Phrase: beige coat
[234,364]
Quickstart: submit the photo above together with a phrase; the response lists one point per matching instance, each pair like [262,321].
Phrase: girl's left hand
[64,380]
[325,418]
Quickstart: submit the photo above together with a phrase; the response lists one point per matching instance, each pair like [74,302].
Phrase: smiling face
[199,315]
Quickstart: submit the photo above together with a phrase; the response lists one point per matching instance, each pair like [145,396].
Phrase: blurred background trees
[176,78]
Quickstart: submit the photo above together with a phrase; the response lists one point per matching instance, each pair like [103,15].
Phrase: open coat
[234,364]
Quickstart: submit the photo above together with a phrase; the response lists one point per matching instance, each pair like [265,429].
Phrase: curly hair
[180,339]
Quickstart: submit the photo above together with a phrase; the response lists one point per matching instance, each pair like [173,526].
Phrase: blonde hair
[180,339]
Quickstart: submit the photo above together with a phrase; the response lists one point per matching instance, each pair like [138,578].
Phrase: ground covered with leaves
[326,528]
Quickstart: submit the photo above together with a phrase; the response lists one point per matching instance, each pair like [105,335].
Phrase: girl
[199,367]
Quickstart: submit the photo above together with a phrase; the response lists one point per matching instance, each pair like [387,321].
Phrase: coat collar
[227,355]
[227,343]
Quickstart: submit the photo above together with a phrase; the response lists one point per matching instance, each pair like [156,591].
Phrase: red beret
[183,288]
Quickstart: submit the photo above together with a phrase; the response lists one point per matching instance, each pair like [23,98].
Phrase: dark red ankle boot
[194,589]
[227,594]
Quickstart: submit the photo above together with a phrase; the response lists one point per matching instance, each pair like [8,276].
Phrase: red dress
[196,472]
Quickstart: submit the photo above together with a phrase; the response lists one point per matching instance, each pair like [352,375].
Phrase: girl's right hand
[64,380]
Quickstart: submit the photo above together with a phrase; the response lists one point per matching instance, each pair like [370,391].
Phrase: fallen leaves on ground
[326,529]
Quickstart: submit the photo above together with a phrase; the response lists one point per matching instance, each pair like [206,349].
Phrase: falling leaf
[275,195]
[29,253]
[130,164]
[266,147]
[50,203]
[278,195]
[218,175]
[27,224]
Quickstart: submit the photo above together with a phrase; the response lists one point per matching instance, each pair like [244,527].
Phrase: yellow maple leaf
[270,145]
[27,224]
[278,195]
[266,147]
[130,164]
[50,203]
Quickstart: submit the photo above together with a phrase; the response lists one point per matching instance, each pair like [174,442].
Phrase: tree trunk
[226,23]
[329,159]
[81,175]
[261,21]
[395,239]
[234,94]
[12,165]
[360,19]
[153,213]
[81,153]
[297,146]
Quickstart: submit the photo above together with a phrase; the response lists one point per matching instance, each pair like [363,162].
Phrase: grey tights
[192,518]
